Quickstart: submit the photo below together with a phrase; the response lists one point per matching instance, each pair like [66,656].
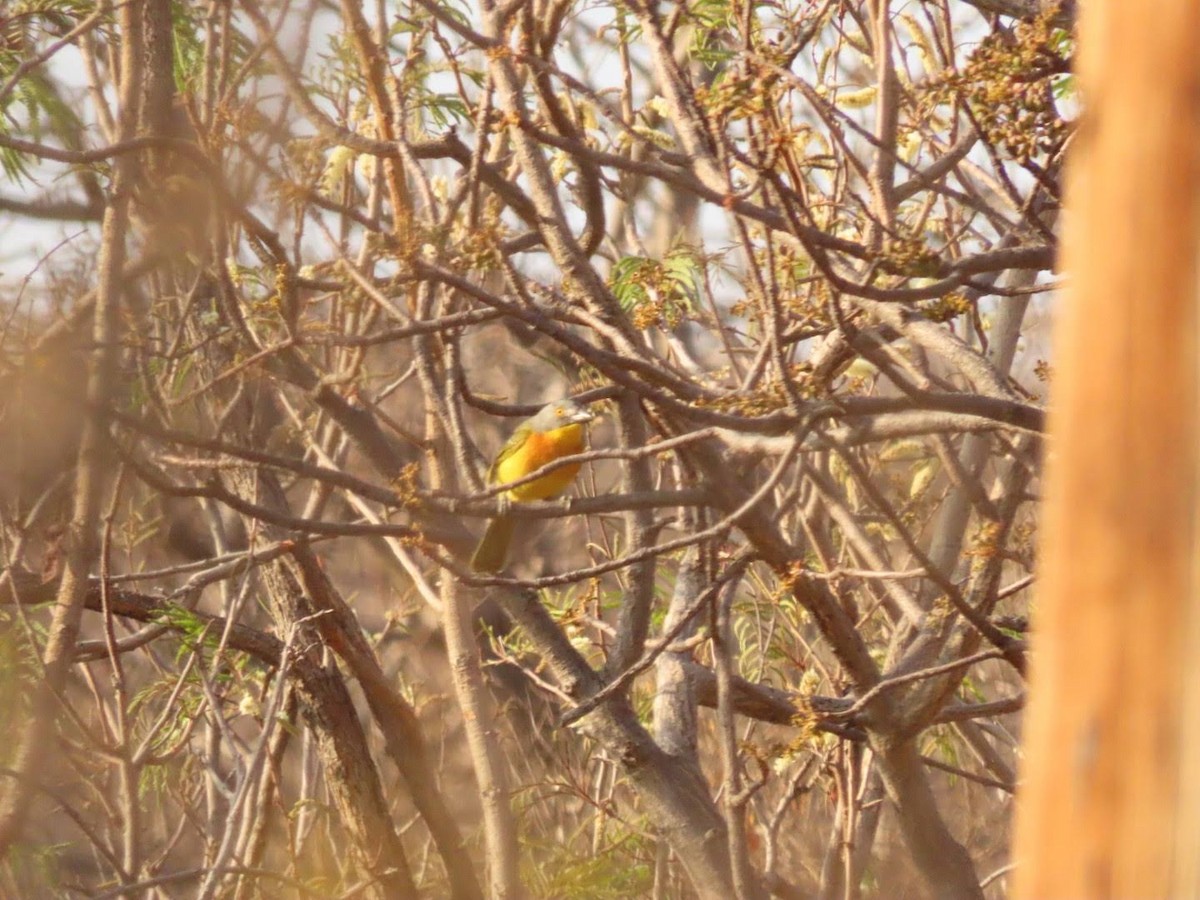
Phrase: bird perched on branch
[555,432]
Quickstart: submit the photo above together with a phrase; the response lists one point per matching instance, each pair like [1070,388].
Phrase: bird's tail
[489,556]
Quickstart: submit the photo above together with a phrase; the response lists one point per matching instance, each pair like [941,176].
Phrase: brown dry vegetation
[278,277]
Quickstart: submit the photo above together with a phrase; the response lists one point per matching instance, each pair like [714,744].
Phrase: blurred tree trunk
[82,540]
[1110,801]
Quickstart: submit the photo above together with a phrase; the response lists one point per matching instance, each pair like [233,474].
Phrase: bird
[555,431]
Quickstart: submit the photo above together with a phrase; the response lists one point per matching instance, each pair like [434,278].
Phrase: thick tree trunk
[943,861]
[1109,801]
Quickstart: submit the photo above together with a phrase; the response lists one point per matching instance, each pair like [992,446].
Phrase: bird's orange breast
[537,450]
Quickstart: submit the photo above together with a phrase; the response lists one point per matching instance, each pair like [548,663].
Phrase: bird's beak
[583,415]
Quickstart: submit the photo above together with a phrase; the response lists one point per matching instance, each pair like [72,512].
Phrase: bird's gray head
[559,414]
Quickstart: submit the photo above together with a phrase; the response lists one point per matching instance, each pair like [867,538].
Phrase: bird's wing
[511,446]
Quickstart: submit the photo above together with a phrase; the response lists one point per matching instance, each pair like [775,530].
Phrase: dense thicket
[279,276]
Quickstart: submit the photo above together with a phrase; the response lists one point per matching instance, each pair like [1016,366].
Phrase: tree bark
[81,543]
[676,797]
[944,863]
[350,772]
[1107,810]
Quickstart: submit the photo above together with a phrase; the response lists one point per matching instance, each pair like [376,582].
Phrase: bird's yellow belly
[537,451]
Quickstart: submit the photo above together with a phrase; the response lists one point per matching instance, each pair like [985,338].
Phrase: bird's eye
[560,412]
